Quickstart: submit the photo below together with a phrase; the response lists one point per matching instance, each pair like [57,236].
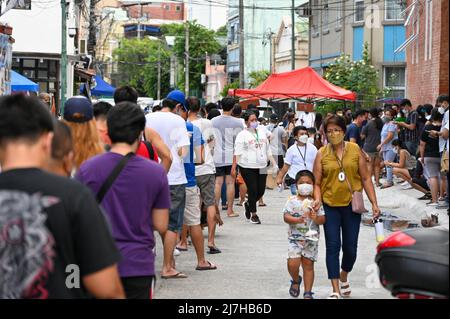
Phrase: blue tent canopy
[101,88]
[21,83]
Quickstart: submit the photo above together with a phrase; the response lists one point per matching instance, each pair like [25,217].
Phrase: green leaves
[358,76]
[258,77]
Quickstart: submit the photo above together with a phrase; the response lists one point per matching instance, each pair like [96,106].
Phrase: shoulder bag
[112,177]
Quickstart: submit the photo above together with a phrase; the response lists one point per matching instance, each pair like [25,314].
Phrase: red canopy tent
[301,84]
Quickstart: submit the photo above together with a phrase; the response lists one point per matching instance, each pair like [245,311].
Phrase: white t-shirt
[308,119]
[207,130]
[172,129]
[300,158]
[442,141]
[253,149]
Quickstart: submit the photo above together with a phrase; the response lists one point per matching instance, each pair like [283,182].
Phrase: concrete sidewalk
[253,259]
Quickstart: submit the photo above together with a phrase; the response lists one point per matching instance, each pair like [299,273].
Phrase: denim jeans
[223,193]
[389,156]
[341,220]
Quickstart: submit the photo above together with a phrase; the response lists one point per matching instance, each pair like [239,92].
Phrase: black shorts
[422,182]
[139,287]
[223,170]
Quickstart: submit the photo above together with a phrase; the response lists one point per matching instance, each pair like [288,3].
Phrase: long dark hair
[318,121]
[375,113]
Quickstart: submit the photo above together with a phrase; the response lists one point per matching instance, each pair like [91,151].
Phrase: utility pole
[159,70]
[186,49]
[63,66]
[241,45]
[139,22]
[293,36]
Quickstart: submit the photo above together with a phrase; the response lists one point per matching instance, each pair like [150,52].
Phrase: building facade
[262,19]
[342,27]
[427,49]
[37,48]
[282,46]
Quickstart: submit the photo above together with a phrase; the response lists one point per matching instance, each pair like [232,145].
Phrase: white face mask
[303,139]
[311,140]
[428,117]
[441,109]
[305,189]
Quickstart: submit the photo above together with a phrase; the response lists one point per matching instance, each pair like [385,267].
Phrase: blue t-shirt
[353,131]
[189,165]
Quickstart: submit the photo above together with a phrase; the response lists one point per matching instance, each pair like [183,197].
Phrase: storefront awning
[21,83]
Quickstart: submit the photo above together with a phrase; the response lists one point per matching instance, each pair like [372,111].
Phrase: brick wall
[159,11]
[426,80]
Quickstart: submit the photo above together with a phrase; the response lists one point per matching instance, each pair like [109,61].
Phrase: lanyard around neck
[339,161]
[301,155]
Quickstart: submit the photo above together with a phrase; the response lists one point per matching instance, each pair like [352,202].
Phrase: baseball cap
[179,97]
[78,109]
[274,117]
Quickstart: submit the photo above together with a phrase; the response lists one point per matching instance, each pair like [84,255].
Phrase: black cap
[273,117]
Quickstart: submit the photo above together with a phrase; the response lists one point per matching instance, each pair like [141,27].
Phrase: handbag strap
[112,177]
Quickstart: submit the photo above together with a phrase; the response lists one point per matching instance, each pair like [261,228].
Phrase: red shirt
[144,152]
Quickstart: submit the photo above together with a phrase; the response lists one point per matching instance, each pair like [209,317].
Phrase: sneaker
[443,205]
[442,200]
[431,204]
[408,186]
[404,184]
[176,252]
[427,196]
[247,209]
[255,219]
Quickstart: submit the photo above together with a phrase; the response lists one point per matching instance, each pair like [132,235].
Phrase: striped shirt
[412,135]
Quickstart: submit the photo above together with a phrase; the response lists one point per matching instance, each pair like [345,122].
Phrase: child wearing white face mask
[303,234]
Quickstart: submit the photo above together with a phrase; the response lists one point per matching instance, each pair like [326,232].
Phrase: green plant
[258,77]
[358,76]
[232,85]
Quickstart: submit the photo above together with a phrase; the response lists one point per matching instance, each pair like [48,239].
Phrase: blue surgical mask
[254,125]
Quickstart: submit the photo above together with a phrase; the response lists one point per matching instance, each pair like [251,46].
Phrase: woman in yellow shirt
[337,165]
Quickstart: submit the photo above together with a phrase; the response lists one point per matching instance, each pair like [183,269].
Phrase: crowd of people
[107,178]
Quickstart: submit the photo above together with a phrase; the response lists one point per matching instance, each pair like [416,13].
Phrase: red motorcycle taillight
[397,239]
[405,295]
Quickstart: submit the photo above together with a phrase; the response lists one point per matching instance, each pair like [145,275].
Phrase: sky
[201,12]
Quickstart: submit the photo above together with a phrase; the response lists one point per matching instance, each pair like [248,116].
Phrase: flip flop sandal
[345,289]
[210,267]
[308,295]
[262,205]
[386,186]
[233,215]
[239,204]
[178,275]
[181,249]
[295,292]
[213,250]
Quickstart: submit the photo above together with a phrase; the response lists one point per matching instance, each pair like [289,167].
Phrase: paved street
[253,263]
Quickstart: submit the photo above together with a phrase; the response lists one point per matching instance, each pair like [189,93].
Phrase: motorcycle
[414,264]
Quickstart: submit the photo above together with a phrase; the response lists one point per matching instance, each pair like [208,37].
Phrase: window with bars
[359,10]
[395,79]
[393,8]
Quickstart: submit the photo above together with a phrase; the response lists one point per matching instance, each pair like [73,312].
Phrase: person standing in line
[299,156]
[353,133]
[430,156]
[205,173]
[162,151]
[61,224]
[371,134]
[79,116]
[226,129]
[252,151]
[411,131]
[172,129]
[340,169]
[61,159]
[306,119]
[388,134]
[137,201]
[101,110]
[192,213]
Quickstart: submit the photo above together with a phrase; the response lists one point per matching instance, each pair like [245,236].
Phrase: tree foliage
[202,41]
[138,65]
[232,85]
[258,77]
[358,76]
